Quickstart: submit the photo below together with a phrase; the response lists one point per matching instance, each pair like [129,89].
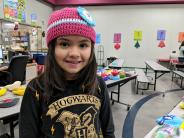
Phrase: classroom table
[11,112]
[157,68]
[119,83]
[176,111]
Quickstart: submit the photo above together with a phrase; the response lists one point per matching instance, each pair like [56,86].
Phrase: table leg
[146,69]
[155,81]
[118,92]
[11,129]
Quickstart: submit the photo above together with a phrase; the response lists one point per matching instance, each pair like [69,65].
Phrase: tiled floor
[145,119]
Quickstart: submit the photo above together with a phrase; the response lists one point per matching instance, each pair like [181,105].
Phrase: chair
[15,72]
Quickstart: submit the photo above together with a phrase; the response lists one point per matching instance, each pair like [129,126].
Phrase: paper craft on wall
[117,46]
[98,38]
[181,37]
[161,36]
[137,45]
[15,10]
[138,35]
[137,38]
[117,40]
[34,19]
[161,44]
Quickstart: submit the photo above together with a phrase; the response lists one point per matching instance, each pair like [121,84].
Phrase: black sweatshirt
[69,114]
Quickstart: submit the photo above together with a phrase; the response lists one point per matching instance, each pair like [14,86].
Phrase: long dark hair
[54,75]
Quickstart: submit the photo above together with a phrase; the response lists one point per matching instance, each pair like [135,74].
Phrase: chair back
[17,68]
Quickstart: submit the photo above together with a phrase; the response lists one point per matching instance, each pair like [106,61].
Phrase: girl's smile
[72,54]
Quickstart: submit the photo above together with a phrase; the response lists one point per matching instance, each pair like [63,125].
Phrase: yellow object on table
[3,91]
[181,105]
[19,91]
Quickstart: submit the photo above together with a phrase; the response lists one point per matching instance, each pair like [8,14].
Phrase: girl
[68,100]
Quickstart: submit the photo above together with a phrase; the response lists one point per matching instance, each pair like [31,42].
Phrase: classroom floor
[145,119]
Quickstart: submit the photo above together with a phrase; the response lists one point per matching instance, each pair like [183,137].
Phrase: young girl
[68,100]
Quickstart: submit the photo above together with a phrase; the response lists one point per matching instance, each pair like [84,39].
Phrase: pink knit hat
[70,21]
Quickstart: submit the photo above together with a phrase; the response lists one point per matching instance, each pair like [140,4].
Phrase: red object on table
[164,60]
[114,72]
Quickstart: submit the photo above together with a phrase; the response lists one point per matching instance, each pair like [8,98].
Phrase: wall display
[15,10]
[161,36]
[1,9]
[137,38]
[33,19]
[98,38]
[117,46]
[117,40]
[181,37]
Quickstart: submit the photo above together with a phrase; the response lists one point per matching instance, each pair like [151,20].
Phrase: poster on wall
[137,35]
[137,38]
[15,10]
[1,9]
[161,37]
[34,19]
[117,40]
[117,37]
[98,38]
[181,37]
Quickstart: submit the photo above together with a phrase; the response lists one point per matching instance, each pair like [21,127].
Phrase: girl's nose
[74,51]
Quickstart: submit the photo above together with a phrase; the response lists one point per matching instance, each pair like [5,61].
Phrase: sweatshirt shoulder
[36,84]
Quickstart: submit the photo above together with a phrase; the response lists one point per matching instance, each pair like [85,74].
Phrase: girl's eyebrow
[60,39]
[85,40]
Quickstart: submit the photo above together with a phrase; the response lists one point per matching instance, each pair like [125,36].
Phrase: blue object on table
[170,120]
[105,78]
[115,77]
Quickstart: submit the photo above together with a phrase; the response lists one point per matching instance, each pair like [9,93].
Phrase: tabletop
[156,67]
[5,112]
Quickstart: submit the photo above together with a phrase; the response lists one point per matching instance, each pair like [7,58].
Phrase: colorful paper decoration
[98,38]
[117,46]
[181,37]
[161,35]
[15,10]
[161,44]
[137,45]
[117,38]
[138,35]
[33,18]
[137,38]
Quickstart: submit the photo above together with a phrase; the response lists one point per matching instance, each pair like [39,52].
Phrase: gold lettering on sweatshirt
[72,100]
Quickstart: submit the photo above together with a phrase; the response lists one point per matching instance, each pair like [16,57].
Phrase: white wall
[148,18]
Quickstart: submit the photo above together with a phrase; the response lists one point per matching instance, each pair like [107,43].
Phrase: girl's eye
[83,45]
[64,44]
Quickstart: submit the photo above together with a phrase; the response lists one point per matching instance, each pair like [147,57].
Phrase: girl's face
[72,54]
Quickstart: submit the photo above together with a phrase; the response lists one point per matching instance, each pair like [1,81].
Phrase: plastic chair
[15,72]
